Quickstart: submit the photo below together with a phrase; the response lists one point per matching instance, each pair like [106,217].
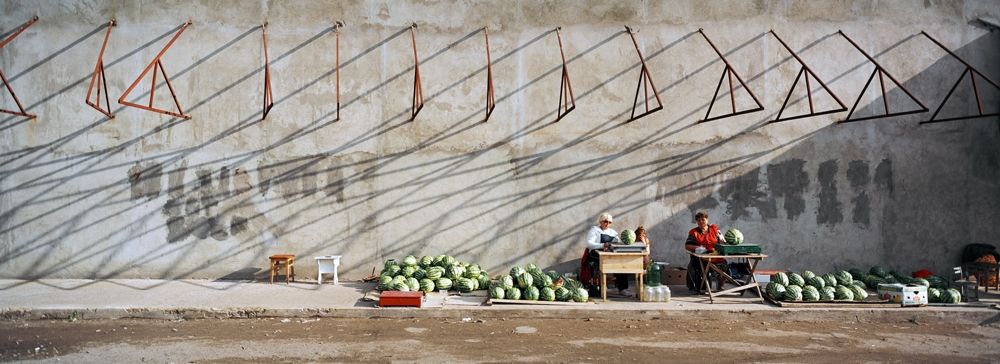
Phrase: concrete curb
[977,316]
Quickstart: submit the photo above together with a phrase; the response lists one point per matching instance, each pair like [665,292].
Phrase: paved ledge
[204,299]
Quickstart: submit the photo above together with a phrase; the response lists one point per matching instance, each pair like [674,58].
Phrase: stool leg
[288,271]
[271,271]
[336,280]
[292,266]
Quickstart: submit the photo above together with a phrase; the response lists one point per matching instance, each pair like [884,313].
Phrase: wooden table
[621,263]
[705,261]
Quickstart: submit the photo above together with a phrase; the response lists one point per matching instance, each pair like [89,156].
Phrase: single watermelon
[474,270]
[392,270]
[525,280]
[627,236]
[827,293]
[546,282]
[933,295]
[497,293]
[857,274]
[409,270]
[506,282]
[484,282]
[810,293]
[807,275]
[389,263]
[455,272]
[443,284]
[553,275]
[512,293]
[843,293]
[793,293]
[420,273]
[410,260]
[951,295]
[860,294]
[843,277]
[922,282]
[547,294]
[426,261]
[859,284]
[563,294]
[780,277]
[817,282]
[873,281]
[464,285]
[795,280]
[530,267]
[401,286]
[538,278]
[775,290]
[516,271]
[733,237]
[878,271]
[413,283]
[426,285]
[448,260]
[531,293]
[830,279]
[581,295]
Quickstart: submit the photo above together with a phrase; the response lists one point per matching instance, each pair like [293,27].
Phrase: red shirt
[707,239]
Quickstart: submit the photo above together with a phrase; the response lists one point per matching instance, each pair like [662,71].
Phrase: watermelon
[553,275]
[401,286]
[447,261]
[398,279]
[627,236]
[475,283]
[546,282]
[547,294]
[410,260]
[516,271]
[733,237]
[525,280]
[389,263]
[426,285]
[426,261]
[890,279]
[484,282]
[951,295]
[830,279]
[843,293]
[859,293]
[563,294]
[796,280]
[433,273]
[506,282]
[538,278]
[843,277]
[810,293]
[775,290]
[859,284]
[581,295]
[937,282]
[464,285]
[807,275]
[878,271]
[817,282]
[827,293]
[384,283]
[392,270]
[455,272]
[413,283]
[780,278]
[497,293]
[857,274]
[922,282]
[530,267]
[512,293]
[793,293]
[873,281]
[443,284]
[531,293]
[933,295]
[409,270]
[473,270]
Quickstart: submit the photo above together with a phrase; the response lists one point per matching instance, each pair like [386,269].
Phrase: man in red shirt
[701,239]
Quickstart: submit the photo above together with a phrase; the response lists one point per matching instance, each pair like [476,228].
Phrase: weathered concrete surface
[145,195]
[194,299]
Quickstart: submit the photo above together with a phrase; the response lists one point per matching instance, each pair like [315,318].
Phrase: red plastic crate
[401,299]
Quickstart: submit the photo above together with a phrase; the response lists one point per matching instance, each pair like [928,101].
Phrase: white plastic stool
[327,264]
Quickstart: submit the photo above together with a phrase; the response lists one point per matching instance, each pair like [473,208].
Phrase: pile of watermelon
[809,287]
[531,284]
[937,287]
[427,274]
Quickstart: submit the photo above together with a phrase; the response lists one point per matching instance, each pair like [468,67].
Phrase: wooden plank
[621,264]
[832,304]
[547,303]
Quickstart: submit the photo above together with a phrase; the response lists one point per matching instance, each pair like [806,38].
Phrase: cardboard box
[906,295]
[673,276]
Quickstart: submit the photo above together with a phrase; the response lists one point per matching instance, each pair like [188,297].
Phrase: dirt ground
[494,340]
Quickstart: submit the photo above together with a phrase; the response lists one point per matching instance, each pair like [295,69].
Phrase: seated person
[600,238]
[702,239]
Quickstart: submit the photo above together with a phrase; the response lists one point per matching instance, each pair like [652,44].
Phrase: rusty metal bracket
[728,71]
[21,111]
[567,102]
[98,79]
[645,83]
[491,102]
[336,27]
[882,74]
[268,96]
[806,71]
[418,94]
[972,71]
[154,65]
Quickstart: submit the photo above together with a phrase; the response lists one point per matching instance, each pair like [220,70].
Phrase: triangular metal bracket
[805,70]
[972,71]
[268,96]
[21,111]
[157,65]
[418,94]
[645,83]
[491,102]
[567,102]
[728,71]
[98,79]
[882,75]
[337,26]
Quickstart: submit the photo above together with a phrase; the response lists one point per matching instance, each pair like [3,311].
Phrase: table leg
[271,271]
[640,293]
[753,278]
[336,280]
[704,278]
[604,287]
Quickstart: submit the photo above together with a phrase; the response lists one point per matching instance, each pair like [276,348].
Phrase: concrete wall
[146,195]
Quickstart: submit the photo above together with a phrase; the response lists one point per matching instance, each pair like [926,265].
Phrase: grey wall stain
[145,180]
[335,182]
[704,204]
[829,207]
[237,225]
[307,176]
[742,193]
[265,175]
[789,180]
[860,178]
[883,176]
[984,157]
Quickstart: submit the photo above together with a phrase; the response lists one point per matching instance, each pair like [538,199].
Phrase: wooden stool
[283,260]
